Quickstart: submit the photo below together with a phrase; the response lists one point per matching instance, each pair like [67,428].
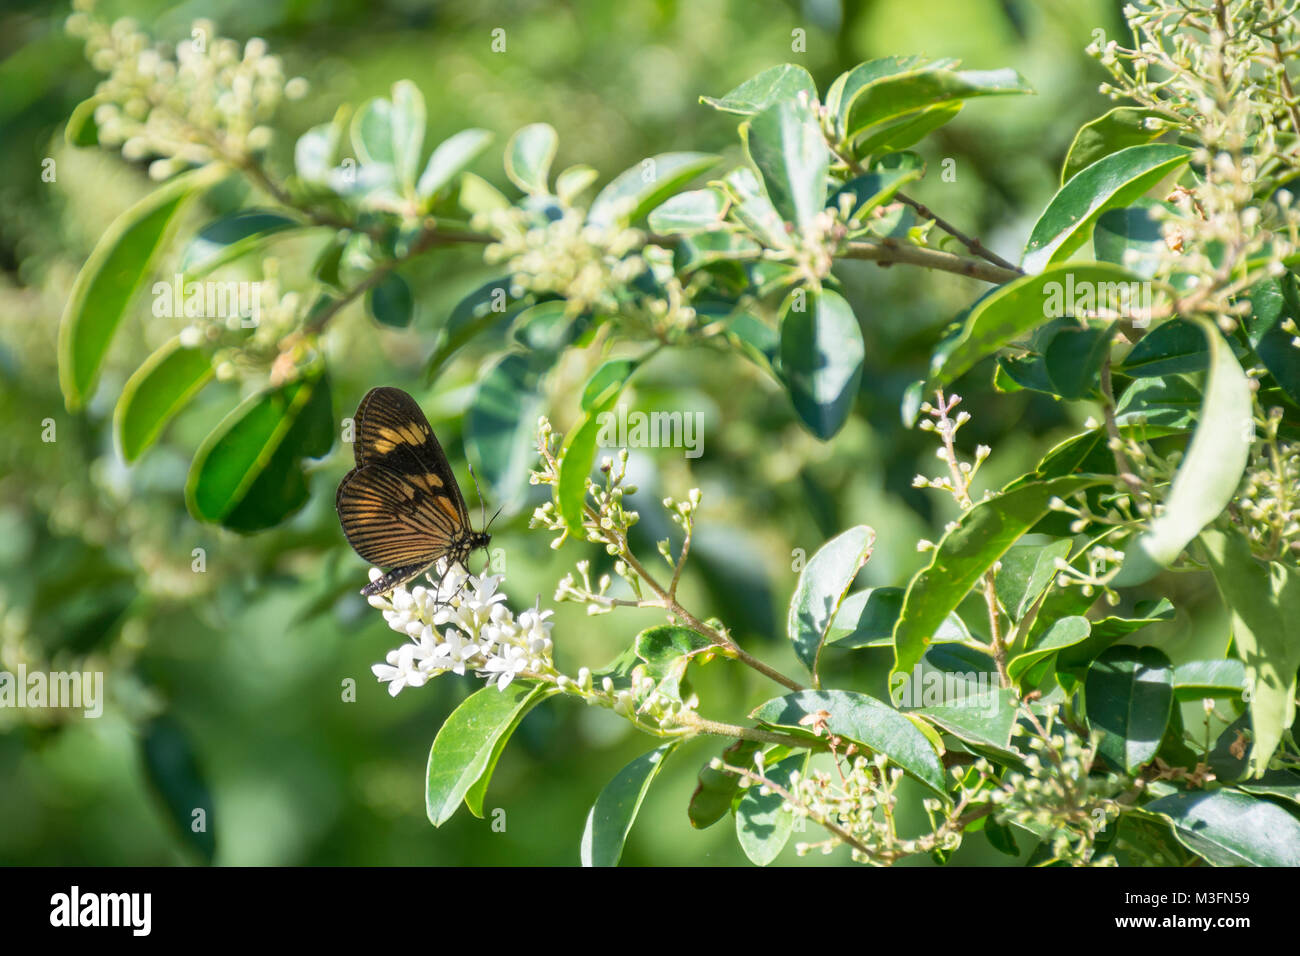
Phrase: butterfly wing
[394,521]
[392,431]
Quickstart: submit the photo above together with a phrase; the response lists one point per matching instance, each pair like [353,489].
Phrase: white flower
[400,671]
[502,668]
[455,651]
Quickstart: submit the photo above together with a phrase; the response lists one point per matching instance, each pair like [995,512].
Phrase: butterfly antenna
[494,517]
[478,491]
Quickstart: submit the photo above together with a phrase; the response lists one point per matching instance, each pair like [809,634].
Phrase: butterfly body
[401,507]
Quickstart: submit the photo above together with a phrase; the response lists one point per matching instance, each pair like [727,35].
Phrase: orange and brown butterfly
[400,507]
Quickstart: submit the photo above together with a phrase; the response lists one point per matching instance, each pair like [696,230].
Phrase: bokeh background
[226,686]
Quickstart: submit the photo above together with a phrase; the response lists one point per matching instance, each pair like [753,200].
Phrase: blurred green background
[242,665]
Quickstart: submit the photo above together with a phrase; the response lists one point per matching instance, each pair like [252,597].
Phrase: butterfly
[400,507]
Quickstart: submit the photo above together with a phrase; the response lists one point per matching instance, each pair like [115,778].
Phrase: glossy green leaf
[1016,309]
[888,98]
[636,191]
[1074,357]
[1264,603]
[696,210]
[157,390]
[1170,348]
[390,302]
[1194,680]
[572,182]
[899,134]
[110,278]
[788,149]
[717,790]
[450,157]
[477,792]
[1273,302]
[1026,571]
[1209,472]
[822,355]
[599,396]
[230,237]
[612,815]
[845,88]
[983,715]
[173,770]
[864,720]
[867,618]
[1112,181]
[1063,632]
[1170,403]
[1228,828]
[763,825]
[773,85]
[979,539]
[82,130]
[501,428]
[874,189]
[1122,127]
[1130,691]
[466,747]
[483,308]
[1131,237]
[247,475]
[822,585]
[529,155]
[754,209]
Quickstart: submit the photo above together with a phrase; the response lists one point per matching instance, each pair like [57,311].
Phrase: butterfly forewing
[401,507]
[391,429]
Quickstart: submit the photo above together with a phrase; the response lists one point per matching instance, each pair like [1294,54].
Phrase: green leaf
[981,536]
[1170,348]
[469,743]
[1195,680]
[822,355]
[763,825]
[634,192]
[823,583]
[847,85]
[717,790]
[696,210]
[875,188]
[1112,181]
[754,209]
[408,118]
[1063,632]
[1209,472]
[1274,301]
[372,133]
[1130,692]
[1012,311]
[867,618]
[786,145]
[477,792]
[487,305]
[157,390]
[615,810]
[247,474]
[1264,603]
[1228,828]
[1277,783]
[529,155]
[1072,662]
[1074,357]
[888,98]
[1169,403]
[863,720]
[1131,237]
[450,157]
[478,195]
[108,281]
[598,397]
[501,428]
[572,182]
[172,769]
[82,130]
[1122,127]
[326,267]
[390,302]
[784,82]
[983,715]
[1026,571]
[315,152]
[900,134]
[230,237]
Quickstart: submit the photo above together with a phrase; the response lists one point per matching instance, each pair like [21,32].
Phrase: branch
[890,251]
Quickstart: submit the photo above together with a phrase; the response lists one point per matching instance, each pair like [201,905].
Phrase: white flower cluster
[461,624]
